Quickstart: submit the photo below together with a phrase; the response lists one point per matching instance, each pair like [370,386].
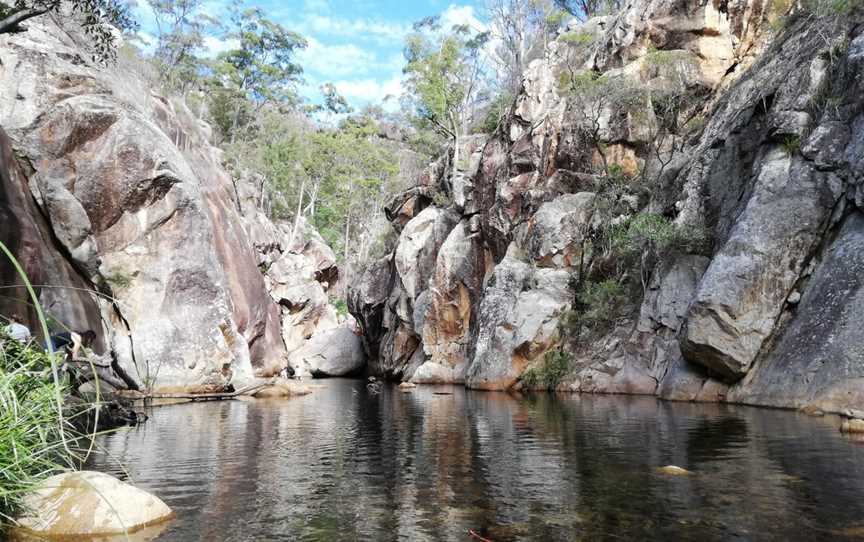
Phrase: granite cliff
[725,140]
[119,208]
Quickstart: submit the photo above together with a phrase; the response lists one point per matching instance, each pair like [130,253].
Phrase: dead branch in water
[248,390]
[473,534]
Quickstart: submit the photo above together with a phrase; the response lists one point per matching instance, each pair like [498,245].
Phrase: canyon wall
[120,210]
[738,130]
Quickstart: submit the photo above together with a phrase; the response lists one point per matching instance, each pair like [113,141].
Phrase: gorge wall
[119,208]
[759,157]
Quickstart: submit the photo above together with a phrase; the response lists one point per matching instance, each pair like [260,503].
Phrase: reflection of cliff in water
[343,464]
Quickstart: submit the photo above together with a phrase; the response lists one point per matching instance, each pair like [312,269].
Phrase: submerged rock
[89,503]
[852,425]
[282,388]
[674,470]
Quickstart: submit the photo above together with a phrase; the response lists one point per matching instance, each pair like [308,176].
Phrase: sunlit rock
[90,504]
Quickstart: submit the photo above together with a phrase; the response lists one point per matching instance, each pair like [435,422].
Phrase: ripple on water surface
[342,464]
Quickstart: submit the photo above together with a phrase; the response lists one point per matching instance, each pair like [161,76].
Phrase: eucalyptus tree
[96,17]
[181,27]
[445,77]
[520,29]
[261,69]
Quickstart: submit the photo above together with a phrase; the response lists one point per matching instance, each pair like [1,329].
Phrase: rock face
[335,352]
[78,504]
[764,162]
[117,191]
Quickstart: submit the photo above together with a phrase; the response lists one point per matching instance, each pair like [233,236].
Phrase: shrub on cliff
[549,372]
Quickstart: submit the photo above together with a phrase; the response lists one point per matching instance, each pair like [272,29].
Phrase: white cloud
[368,29]
[461,15]
[370,90]
[213,45]
[334,61]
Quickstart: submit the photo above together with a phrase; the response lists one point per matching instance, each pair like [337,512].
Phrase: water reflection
[345,465]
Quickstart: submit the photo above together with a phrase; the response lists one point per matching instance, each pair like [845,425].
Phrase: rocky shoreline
[497,254]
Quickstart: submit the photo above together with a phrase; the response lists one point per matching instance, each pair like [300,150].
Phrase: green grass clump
[791,144]
[341,307]
[33,434]
[548,373]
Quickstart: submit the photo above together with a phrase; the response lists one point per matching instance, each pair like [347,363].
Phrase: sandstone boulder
[334,352]
[744,289]
[518,321]
[86,504]
[454,292]
[418,246]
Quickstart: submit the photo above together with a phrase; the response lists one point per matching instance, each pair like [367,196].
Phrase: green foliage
[600,304]
[341,307]
[652,235]
[336,178]
[840,77]
[119,278]
[556,364]
[496,110]
[577,39]
[585,9]
[556,18]
[645,229]
[94,16]
[832,8]
[333,101]
[781,12]
[441,199]
[31,427]
[260,71]
[791,144]
[181,31]
[442,70]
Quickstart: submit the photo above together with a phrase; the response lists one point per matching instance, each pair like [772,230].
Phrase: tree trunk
[347,234]
[313,199]
[299,211]
[12,22]
[261,193]
[236,122]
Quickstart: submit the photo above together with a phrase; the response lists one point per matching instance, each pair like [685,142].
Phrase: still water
[344,464]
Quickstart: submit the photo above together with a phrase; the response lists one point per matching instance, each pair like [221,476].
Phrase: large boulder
[819,357]
[87,504]
[367,299]
[294,284]
[558,230]
[137,200]
[454,295]
[418,247]
[745,288]
[518,321]
[334,352]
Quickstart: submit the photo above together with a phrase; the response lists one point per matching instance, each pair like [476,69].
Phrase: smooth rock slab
[90,503]
[335,352]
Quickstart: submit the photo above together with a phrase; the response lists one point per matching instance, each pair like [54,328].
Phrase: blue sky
[355,45]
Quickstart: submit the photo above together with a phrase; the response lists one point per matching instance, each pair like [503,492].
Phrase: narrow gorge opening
[496,270]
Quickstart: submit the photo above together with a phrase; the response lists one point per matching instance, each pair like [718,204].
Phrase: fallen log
[248,390]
